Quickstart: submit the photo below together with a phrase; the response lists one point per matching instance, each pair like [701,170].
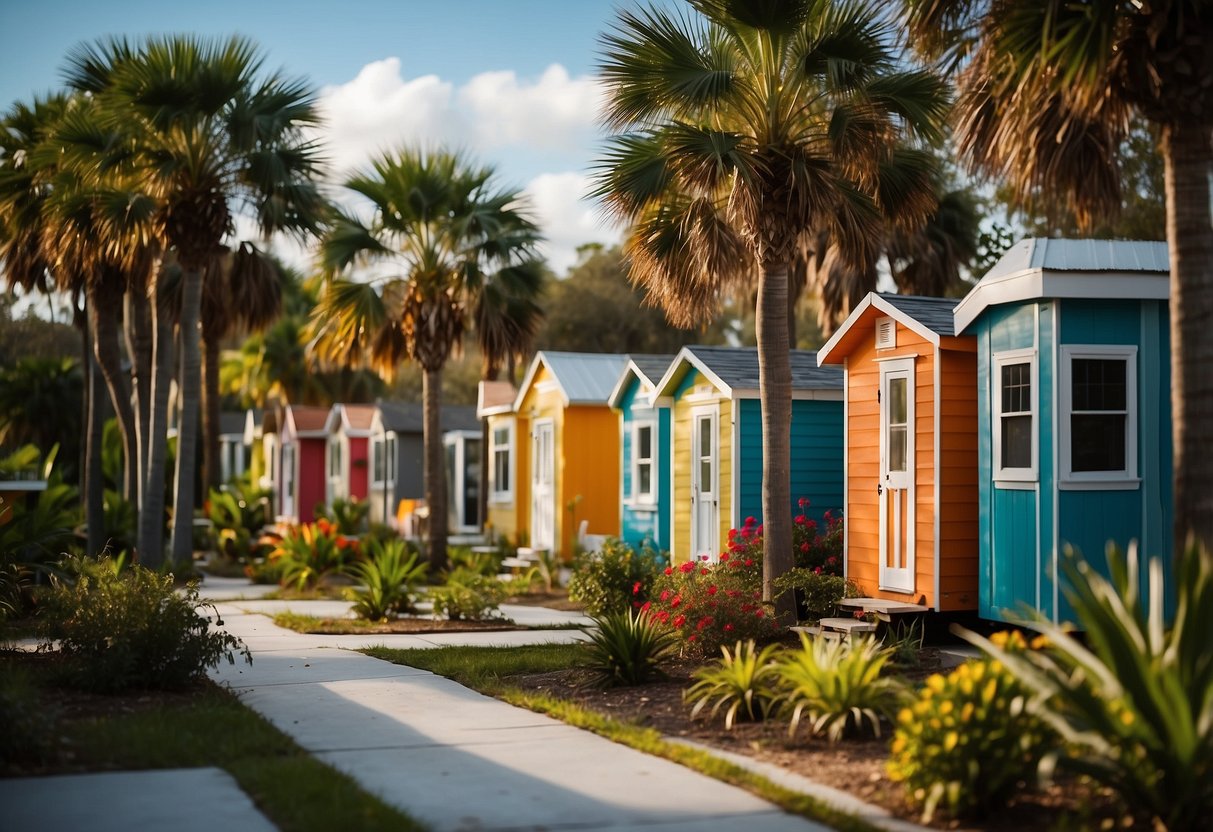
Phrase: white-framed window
[501,443]
[335,457]
[1098,415]
[377,443]
[383,460]
[390,460]
[1016,412]
[644,454]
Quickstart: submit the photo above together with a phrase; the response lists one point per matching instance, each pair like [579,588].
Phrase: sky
[510,81]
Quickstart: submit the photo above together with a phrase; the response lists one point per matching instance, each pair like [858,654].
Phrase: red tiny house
[348,430]
[303,454]
[910,455]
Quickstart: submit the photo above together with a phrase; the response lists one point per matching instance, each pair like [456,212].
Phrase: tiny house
[507,482]
[569,440]
[1074,413]
[348,452]
[233,450]
[644,460]
[302,440]
[910,451]
[461,451]
[716,442]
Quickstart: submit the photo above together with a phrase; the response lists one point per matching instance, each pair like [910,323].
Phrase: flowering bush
[814,548]
[709,605]
[310,553]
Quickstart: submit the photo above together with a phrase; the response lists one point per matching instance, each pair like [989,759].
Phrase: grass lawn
[488,670]
[45,729]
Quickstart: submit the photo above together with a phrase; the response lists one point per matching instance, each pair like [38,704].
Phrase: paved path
[457,760]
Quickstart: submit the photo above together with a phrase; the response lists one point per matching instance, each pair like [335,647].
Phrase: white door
[288,481]
[705,493]
[895,487]
[543,486]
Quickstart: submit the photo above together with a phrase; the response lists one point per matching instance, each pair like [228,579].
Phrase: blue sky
[510,80]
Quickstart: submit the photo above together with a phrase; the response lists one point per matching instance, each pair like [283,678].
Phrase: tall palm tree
[207,135]
[745,131]
[459,247]
[1048,91]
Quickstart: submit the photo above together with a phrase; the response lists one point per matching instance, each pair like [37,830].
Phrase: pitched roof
[354,419]
[231,423]
[648,368]
[1047,268]
[583,377]
[494,397]
[929,317]
[409,417]
[735,371]
[307,420]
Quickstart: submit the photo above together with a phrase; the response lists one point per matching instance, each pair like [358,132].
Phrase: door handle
[879,489]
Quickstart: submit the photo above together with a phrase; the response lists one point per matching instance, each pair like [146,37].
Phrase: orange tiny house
[910,455]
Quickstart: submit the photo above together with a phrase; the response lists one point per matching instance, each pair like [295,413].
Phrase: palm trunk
[1188,152]
[187,426]
[139,348]
[94,428]
[151,513]
[433,471]
[775,382]
[211,474]
[104,307]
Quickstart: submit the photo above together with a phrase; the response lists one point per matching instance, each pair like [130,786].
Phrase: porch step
[847,625]
[880,605]
[516,563]
[485,550]
[530,554]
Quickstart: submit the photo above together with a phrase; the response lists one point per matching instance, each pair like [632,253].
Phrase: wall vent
[886,333]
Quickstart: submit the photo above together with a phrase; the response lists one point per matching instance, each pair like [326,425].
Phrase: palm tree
[460,248]
[1048,91]
[746,132]
[206,136]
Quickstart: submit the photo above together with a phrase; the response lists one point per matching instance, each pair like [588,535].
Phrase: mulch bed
[407,626]
[854,766]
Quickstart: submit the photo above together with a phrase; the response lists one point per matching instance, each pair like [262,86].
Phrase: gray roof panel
[409,417]
[653,366]
[585,377]
[737,367]
[1084,256]
[933,313]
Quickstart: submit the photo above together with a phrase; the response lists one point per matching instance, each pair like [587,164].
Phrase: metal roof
[1048,268]
[933,313]
[231,423]
[648,368]
[735,370]
[583,377]
[409,417]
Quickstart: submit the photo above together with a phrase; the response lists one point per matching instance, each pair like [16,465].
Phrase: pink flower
[703,557]
[816,570]
[831,560]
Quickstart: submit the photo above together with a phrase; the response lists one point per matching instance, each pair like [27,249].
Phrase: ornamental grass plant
[389,577]
[743,683]
[626,648]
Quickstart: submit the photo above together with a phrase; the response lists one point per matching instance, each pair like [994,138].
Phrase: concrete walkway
[457,760]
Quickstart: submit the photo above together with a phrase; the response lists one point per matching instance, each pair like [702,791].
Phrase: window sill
[1015,485]
[1118,484]
[635,506]
[502,500]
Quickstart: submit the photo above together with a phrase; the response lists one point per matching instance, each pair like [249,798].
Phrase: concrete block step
[847,625]
[517,563]
[882,606]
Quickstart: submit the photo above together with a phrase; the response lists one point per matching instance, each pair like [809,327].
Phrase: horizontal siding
[959,529]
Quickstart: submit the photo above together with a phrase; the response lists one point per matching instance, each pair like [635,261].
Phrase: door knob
[879,488]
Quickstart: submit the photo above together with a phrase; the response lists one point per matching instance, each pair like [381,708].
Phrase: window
[1099,414]
[383,460]
[642,463]
[389,467]
[503,486]
[335,458]
[1015,416]
[377,460]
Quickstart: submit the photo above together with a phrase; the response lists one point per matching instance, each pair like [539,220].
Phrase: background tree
[1048,92]
[746,133]
[448,233]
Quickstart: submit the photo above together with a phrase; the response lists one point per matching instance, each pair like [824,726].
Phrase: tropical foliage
[389,576]
[743,683]
[626,648]
[614,579]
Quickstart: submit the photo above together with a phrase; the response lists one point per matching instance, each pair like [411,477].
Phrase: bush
[131,629]
[969,739]
[482,563]
[614,579]
[837,686]
[709,606]
[743,682]
[817,593]
[1135,707]
[236,516]
[816,549]
[626,647]
[310,553]
[390,580]
[348,517]
[468,596]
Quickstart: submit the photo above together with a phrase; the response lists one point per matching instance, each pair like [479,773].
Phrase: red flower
[645,606]
[703,570]
[760,613]
[704,622]
[677,600]
[831,560]
[636,588]
[801,519]
[724,556]
[679,620]
[669,570]
[687,567]
[665,593]
[749,562]
[803,502]
[804,547]
[817,570]
[828,515]
[692,638]
[749,521]
[712,590]
[728,628]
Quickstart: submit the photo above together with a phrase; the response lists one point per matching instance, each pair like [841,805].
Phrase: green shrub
[615,579]
[709,606]
[817,592]
[1134,708]
[742,682]
[482,563]
[131,629]
[836,686]
[390,578]
[310,553]
[625,648]
[349,517]
[237,517]
[969,739]
[468,596]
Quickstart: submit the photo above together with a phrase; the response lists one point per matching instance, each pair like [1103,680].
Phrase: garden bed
[407,625]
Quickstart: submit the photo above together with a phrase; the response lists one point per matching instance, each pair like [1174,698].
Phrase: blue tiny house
[1074,413]
[716,443]
[644,460]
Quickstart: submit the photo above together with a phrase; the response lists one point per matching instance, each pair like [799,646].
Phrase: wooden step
[847,625]
[527,553]
[516,563]
[485,550]
[882,606]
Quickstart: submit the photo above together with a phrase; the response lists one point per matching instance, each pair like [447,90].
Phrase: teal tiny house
[1074,413]
[644,460]
[716,442]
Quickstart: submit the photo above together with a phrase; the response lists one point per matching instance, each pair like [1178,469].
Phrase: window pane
[1097,443]
[644,439]
[897,448]
[897,401]
[644,475]
[705,436]
[1099,384]
[1017,441]
[705,475]
[1017,388]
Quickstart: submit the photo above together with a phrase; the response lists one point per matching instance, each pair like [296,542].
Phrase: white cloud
[554,112]
[568,218]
